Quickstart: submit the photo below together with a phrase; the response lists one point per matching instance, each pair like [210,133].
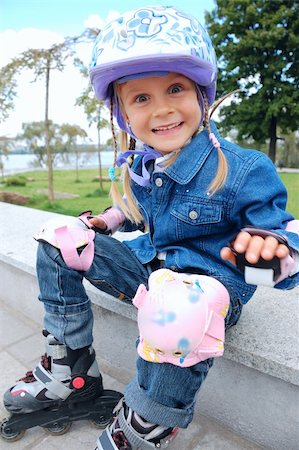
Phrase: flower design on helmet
[154,39]
[146,23]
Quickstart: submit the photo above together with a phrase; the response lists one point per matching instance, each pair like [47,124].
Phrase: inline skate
[66,386]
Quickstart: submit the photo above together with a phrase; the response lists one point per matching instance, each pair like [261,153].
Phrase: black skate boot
[66,386]
[129,431]
[62,375]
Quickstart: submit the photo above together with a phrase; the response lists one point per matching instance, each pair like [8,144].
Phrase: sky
[28,24]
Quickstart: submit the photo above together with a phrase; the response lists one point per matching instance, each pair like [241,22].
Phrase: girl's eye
[175,89]
[142,98]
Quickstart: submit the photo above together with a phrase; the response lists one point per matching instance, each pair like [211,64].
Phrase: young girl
[193,193]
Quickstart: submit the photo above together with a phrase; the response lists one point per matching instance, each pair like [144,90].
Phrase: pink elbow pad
[181,318]
[113,218]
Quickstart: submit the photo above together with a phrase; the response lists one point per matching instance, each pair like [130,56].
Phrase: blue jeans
[161,393]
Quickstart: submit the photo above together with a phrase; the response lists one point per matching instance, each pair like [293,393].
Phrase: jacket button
[158,182]
[193,215]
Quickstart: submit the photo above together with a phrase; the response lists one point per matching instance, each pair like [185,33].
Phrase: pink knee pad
[181,318]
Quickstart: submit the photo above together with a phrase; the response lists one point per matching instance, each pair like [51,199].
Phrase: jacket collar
[192,157]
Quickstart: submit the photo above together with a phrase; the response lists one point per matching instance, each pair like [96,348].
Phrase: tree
[70,133]
[93,110]
[257,44]
[7,91]
[35,138]
[42,62]
[62,140]
[288,150]
[6,144]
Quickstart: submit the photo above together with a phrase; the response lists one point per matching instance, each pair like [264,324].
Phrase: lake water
[22,163]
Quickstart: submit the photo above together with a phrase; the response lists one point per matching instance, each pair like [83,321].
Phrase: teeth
[169,127]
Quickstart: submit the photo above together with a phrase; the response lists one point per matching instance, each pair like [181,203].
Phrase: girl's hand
[98,222]
[255,247]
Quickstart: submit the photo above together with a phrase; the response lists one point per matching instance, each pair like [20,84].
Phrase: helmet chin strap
[148,154]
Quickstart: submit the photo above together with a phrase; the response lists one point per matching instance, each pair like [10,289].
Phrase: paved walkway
[21,342]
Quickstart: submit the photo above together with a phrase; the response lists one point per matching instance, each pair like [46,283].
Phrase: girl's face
[163,112]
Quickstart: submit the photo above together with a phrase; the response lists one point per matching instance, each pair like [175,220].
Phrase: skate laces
[148,431]
[119,438]
[117,433]
[29,377]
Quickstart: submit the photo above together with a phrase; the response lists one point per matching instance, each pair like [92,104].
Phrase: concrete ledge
[253,389]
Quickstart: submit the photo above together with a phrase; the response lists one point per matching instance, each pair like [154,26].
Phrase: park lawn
[90,195]
[87,188]
[291,182]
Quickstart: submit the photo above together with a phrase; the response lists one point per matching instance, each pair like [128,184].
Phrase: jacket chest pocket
[194,219]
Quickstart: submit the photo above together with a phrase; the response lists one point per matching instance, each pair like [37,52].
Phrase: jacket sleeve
[260,201]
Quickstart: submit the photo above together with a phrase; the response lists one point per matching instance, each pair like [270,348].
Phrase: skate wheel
[57,429]
[9,435]
[101,422]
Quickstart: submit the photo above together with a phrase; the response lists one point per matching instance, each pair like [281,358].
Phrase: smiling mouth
[172,126]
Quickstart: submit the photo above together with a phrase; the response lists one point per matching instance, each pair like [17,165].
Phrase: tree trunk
[47,136]
[273,139]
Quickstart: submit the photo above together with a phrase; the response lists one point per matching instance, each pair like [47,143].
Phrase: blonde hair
[128,203]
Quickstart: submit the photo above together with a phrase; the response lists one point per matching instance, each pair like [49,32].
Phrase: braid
[129,208]
[206,119]
[222,169]
[113,133]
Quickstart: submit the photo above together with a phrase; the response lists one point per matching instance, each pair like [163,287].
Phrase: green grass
[291,182]
[90,195]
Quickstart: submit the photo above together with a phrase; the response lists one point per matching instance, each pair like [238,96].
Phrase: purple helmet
[152,39]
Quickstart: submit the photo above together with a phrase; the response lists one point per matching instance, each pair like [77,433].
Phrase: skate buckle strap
[135,440]
[67,239]
[56,350]
[51,384]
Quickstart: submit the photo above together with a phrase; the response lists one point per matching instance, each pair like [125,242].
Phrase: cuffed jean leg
[68,314]
[165,393]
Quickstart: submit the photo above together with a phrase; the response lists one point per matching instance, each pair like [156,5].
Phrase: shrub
[17,180]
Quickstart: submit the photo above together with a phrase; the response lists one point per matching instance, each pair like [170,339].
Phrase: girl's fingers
[254,248]
[98,222]
[282,251]
[228,255]
[269,248]
[241,242]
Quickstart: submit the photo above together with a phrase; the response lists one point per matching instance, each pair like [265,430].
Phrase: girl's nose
[162,107]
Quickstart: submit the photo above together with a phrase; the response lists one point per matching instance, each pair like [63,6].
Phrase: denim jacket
[192,225]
